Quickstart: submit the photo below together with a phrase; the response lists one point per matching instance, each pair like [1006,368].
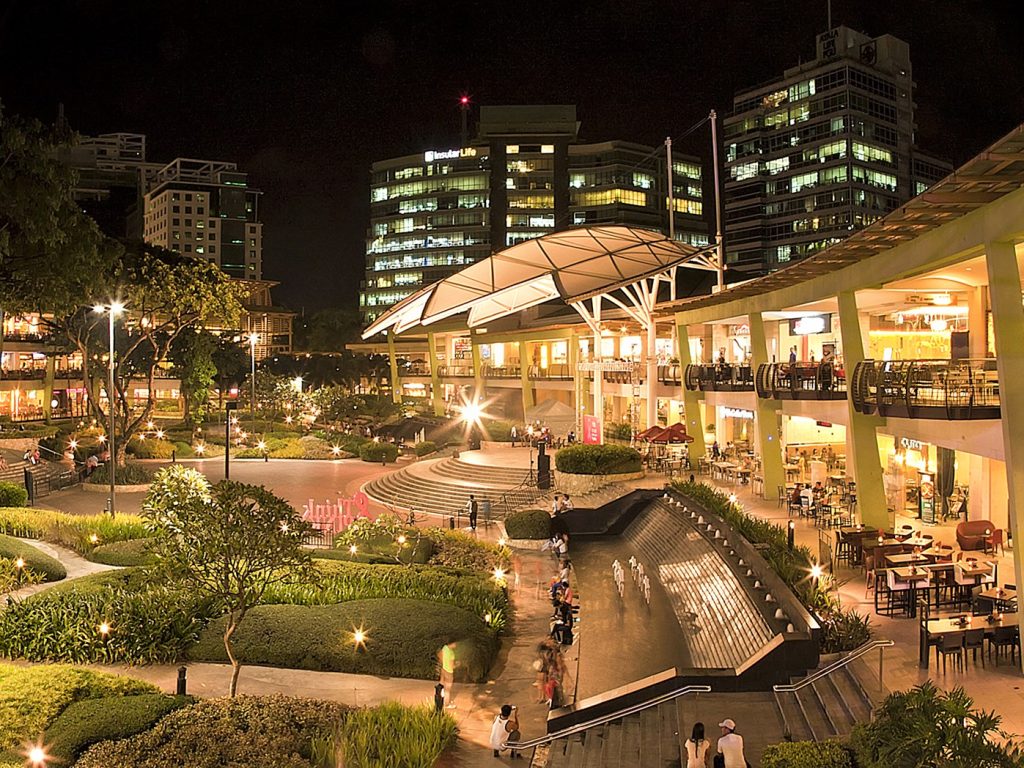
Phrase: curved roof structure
[572,265]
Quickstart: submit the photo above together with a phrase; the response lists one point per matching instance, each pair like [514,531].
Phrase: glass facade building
[526,174]
[822,152]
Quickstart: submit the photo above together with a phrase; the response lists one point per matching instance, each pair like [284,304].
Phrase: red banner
[591,430]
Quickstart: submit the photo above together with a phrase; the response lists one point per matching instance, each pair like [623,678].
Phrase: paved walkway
[75,564]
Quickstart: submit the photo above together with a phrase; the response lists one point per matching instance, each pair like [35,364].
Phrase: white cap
[727,723]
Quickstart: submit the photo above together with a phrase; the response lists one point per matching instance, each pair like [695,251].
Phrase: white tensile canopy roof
[572,265]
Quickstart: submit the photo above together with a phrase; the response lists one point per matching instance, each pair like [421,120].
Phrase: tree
[231,360]
[165,295]
[330,329]
[229,542]
[192,354]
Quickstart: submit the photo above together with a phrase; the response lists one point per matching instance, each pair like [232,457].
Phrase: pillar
[598,373]
[691,399]
[861,435]
[767,415]
[478,371]
[436,395]
[1004,292]
[524,373]
[977,322]
[396,384]
[652,373]
[48,387]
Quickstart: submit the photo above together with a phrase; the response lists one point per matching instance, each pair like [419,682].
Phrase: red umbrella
[670,435]
[650,432]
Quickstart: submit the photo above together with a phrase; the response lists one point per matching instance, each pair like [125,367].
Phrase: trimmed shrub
[243,732]
[382,452]
[455,549]
[85,723]
[149,622]
[597,460]
[618,430]
[499,431]
[183,449]
[528,524]
[12,495]
[72,531]
[129,474]
[425,448]
[806,754]
[31,697]
[36,561]
[339,582]
[403,638]
[123,553]
[150,448]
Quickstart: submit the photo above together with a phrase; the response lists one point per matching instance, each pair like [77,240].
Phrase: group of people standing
[728,755]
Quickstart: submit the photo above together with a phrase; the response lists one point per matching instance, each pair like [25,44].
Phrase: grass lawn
[403,638]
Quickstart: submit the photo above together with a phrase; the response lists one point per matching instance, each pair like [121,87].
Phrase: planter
[581,485]
[105,488]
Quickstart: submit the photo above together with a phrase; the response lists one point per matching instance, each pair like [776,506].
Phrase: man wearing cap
[730,746]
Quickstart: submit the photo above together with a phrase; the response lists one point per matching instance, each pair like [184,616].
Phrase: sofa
[971,534]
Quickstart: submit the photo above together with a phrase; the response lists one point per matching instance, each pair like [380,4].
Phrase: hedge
[72,531]
[12,495]
[150,448]
[123,553]
[528,524]
[32,697]
[382,452]
[129,474]
[49,568]
[806,754]
[597,460]
[425,448]
[403,638]
[85,723]
[243,732]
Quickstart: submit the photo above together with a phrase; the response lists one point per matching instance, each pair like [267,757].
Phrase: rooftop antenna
[829,3]
[464,109]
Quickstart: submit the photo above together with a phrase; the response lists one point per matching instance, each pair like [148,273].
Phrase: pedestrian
[514,434]
[485,507]
[473,507]
[505,728]
[566,503]
[697,748]
[556,505]
[730,746]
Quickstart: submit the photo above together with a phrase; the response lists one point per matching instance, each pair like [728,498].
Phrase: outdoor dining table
[947,625]
[912,575]
[1001,598]
[975,570]
[907,558]
[720,469]
[914,541]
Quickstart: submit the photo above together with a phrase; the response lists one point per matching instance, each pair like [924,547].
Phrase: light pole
[113,309]
[253,338]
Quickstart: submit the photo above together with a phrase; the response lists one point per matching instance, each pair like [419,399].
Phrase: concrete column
[48,387]
[436,396]
[861,434]
[1004,292]
[478,370]
[767,415]
[396,384]
[652,374]
[524,372]
[691,400]
[977,322]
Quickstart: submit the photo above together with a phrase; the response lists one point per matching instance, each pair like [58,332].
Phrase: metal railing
[801,381]
[670,374]
[938,389]
[605,719]
[555,371]
[719,378]
[502,372]
[521,495]
[456,371]
[824,672]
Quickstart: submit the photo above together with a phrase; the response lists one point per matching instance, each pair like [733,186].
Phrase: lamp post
[253,338]
[113,309]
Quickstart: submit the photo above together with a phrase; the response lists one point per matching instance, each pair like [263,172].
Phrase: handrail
[871,645]
[579,727]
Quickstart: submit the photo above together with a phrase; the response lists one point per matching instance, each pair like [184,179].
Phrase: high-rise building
[206,208]
[822,151]
[524,175]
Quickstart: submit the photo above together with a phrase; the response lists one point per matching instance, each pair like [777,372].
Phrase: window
[188,198]
[200,249]
[547,149]
[175,209]
[691,170]
[688,206]
[777,166]
[213,223]
[408,173]
[874,178]
[609,196]
[803,180]
[531,201]
[252,242]
[511,149]
[643,180]
[176,222]
[175,197]
[188,248]
[866,152]
[835,175]
[801,90]
[743,171]
[188,209]
[188,222]
[200,224]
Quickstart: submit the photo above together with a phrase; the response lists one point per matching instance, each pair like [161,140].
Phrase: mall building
[888,359]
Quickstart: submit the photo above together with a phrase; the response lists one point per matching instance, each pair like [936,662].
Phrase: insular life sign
[448,154]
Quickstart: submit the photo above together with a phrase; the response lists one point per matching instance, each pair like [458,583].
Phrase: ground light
[104,629]
[359,638]
[401,539]
[353,549]
[37,755]
[499,574]
[336,450]
[93,538]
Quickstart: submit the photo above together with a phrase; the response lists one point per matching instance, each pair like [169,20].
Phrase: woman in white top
[697,748]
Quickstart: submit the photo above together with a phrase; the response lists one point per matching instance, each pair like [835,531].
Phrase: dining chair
[1003,639]
[869,572]
[974,640]
[899,593]
[951,644]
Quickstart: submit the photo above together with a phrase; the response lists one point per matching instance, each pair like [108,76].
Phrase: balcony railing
[502,372]
[24,374]
[554,372]
[928,389]
[456,371]
[418,368]
[670,374]
[720,378]
[801,381]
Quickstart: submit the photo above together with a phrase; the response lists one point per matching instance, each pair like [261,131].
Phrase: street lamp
[253,338]
[112,310]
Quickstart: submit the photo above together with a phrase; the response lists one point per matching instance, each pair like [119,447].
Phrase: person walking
[505,728]
[730,746]
[514,434]
[697,748]
[473,507]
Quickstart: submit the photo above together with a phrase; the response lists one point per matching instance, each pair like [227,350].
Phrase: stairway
[828,707]
[655,737]
[442,486]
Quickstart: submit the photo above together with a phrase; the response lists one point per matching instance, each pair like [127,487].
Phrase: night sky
[305,95]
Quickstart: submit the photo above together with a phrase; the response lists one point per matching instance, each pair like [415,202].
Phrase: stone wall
[580,485]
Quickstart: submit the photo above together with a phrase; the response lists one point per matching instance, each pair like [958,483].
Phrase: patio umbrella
[672,435]
[650,432]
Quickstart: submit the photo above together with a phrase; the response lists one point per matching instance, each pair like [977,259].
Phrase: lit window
[743,171]
[547,149]
[512,149]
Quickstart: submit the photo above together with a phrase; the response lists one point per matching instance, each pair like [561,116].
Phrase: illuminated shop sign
[911,445]
[448,154]
[805,326]
[737,413]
